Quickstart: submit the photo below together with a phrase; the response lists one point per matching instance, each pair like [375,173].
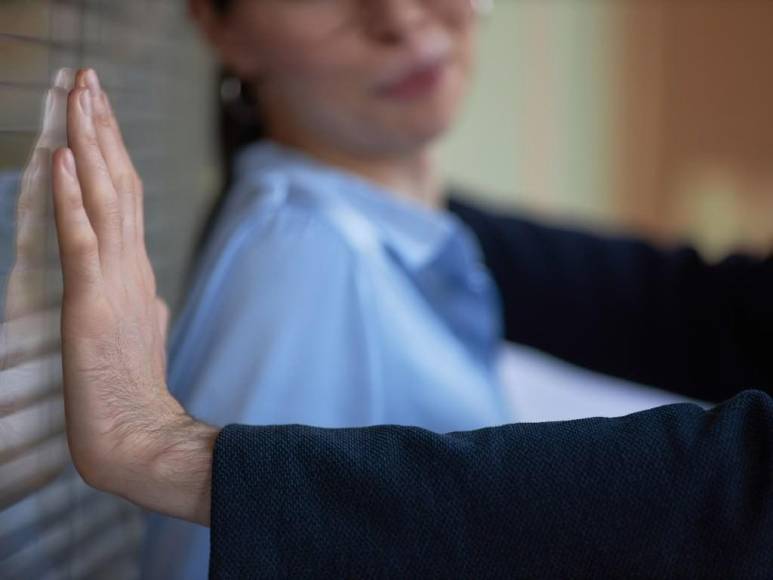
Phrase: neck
[412,175]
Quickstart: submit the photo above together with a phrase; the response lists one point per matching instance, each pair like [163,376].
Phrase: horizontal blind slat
[30,427]
[29,382]
[54,543]
[143,51]
[32,471]
[25,17]
[32,336]
[24,521]
[112,553]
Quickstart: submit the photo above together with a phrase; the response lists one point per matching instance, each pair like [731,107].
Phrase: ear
[225,35]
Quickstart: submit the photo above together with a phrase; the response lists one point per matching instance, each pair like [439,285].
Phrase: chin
[424,120]
[411,126]
[404,137]
[430,119]
[424,126]
[428,131]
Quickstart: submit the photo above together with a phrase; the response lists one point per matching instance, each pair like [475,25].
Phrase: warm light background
[651,115]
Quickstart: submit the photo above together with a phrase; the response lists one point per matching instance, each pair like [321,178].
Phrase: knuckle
[101,186]
[72,97]
[103,120]
[102,171]
[72,200]
[83,244]
[91,141]
[112,213]
[125,183]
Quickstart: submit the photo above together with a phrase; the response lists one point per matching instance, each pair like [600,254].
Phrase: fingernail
[92,80]
[69,163]
[64,79]
[85,101]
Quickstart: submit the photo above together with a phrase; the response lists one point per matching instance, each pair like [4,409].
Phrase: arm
[628,309]
[675,492]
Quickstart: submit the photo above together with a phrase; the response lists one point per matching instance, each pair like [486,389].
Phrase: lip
[415,81]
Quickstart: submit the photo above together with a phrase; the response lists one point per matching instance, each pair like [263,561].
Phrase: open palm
[113,324]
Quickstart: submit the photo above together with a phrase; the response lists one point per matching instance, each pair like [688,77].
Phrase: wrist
[180,471]
[167,467]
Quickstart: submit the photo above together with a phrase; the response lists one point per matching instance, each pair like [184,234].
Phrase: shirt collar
[417,235]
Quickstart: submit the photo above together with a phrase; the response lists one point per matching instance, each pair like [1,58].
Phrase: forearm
[671,493]
[626,308]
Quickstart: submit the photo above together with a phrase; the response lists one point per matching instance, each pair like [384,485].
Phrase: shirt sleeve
[621,306]
[280,320]
[674,492]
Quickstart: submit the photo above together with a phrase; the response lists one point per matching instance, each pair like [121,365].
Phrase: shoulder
[280,223]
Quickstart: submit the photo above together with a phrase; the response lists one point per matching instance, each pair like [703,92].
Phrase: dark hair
[221,5]
[238,126]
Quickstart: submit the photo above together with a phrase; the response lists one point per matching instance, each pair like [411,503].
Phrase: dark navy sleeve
[674,492]
[626,308]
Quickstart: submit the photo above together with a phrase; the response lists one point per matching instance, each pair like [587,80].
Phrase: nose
[395,21]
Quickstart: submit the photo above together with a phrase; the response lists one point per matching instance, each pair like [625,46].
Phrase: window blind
[51,524]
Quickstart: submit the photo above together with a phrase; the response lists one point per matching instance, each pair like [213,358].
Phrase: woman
[332,270]
[332,241]
[601,496]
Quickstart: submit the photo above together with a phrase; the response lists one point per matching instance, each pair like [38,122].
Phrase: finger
[64,79]
[122,172]
[99,196]
[31,209]
[32,204]
[25,289]
[78,243]
[54,128]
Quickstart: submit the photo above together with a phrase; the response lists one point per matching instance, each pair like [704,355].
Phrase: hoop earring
[482,7]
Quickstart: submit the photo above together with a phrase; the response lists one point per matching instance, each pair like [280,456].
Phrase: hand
[127,434]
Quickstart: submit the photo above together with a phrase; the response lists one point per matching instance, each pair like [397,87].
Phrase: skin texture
[320,69]
[127,434]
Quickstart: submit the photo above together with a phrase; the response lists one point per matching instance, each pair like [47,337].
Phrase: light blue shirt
[324,300]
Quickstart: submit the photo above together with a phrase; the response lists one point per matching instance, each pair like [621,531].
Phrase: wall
[694,122]
[51,525]
[535,133]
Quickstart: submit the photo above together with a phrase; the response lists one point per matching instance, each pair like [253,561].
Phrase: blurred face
[367,76]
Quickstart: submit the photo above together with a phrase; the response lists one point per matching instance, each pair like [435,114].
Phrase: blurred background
[648,116]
